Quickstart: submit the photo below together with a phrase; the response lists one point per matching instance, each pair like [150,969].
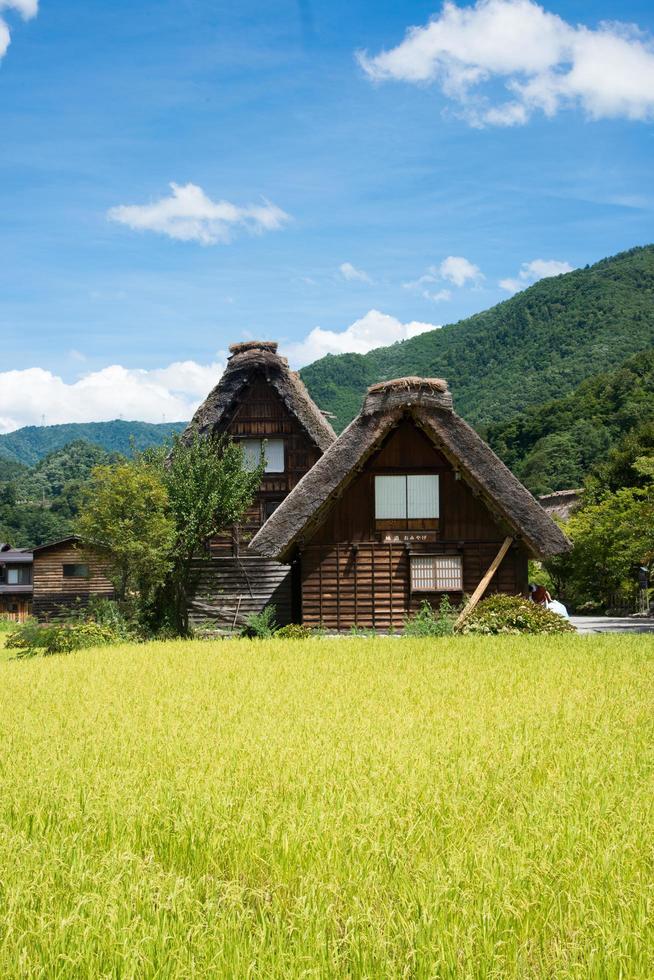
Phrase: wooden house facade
[66,574]
[263,405]
[15,583]
[409,504]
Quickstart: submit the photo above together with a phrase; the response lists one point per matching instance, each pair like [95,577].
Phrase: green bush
[431,622]
[260,626]
[32,638]
[513,614]
[294,631]
[6,624]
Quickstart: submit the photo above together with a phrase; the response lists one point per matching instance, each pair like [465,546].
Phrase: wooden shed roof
[429,402]
[247,360]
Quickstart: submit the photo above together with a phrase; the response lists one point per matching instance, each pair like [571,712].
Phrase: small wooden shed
[408,504]
[259,401]
[66,574]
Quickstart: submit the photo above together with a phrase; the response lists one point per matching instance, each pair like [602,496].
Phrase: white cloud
[26,8]
[544,62]
[352,274]
[189,215]
[454,269]
[172,392]
[531,272]
[375,329]
[459,271]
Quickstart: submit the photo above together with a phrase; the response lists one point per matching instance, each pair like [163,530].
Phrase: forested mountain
[40,504]
[554,446]
[33,443]
[539,344]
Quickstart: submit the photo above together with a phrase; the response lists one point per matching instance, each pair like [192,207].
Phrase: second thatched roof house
[258,400]
[408,504]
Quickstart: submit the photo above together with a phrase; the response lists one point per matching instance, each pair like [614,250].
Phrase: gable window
[77,571]
[406,497]
[436,573]
[19,576]
[273,450]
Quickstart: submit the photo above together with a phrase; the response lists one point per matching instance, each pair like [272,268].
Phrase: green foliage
[260,626]
[294,631]
[32,638]
[126,509]
[548,338]
[555,445]
[33,443]
[611,538]
[513,614]
[40,505]
[209,489]
[428,621]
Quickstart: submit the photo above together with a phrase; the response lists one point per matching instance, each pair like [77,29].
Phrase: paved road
[613,624]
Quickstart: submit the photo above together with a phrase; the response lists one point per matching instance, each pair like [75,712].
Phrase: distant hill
[34,442]
[554,445]
[536,346]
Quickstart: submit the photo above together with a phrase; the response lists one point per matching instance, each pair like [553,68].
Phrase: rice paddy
[332,808]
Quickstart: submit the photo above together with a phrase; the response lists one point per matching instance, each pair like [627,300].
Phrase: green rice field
[386,808]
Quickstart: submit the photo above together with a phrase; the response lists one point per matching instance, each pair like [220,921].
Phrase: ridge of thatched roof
[248,359]
[429,403]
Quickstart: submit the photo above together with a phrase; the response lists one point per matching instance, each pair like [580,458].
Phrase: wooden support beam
[485,582]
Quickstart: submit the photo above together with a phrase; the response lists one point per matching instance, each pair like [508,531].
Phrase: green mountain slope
[34,442]
[553,446]
[538,345]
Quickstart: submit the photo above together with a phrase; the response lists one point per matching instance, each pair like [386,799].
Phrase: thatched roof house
[409,500]
[429,403]
[263,404]
[252,361]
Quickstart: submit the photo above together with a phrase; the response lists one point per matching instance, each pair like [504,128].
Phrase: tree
[611,539]
[209,489]
[126,509]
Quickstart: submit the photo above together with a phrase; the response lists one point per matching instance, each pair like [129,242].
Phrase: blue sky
[366,178]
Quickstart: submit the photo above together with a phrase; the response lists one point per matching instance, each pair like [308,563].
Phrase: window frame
[16,570]
[68,575]
[408,479]
[251,441]
[434,558]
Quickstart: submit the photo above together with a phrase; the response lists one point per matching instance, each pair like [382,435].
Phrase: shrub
[33,638]
[431,622]
[513,614]
[6,624]
[260,626]
[294,631]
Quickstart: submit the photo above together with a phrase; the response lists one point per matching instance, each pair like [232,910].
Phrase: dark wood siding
[54,594]
[226,591]
[352,576]
[261,414]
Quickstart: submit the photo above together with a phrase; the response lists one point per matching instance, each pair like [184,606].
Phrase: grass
[336,808]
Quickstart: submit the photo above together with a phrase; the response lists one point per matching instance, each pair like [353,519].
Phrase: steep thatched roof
[429,402]
[249,359]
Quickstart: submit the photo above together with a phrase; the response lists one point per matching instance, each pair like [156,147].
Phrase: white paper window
[273,450]
[390,498]
[422,496]
[401,497]
[436,573]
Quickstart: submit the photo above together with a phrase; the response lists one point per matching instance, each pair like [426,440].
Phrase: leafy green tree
[209,489]
[611,538]
[126,509]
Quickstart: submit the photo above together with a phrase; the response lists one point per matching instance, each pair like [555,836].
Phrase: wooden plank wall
[53,594]
[16,608]
[225,591]
[261,414]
